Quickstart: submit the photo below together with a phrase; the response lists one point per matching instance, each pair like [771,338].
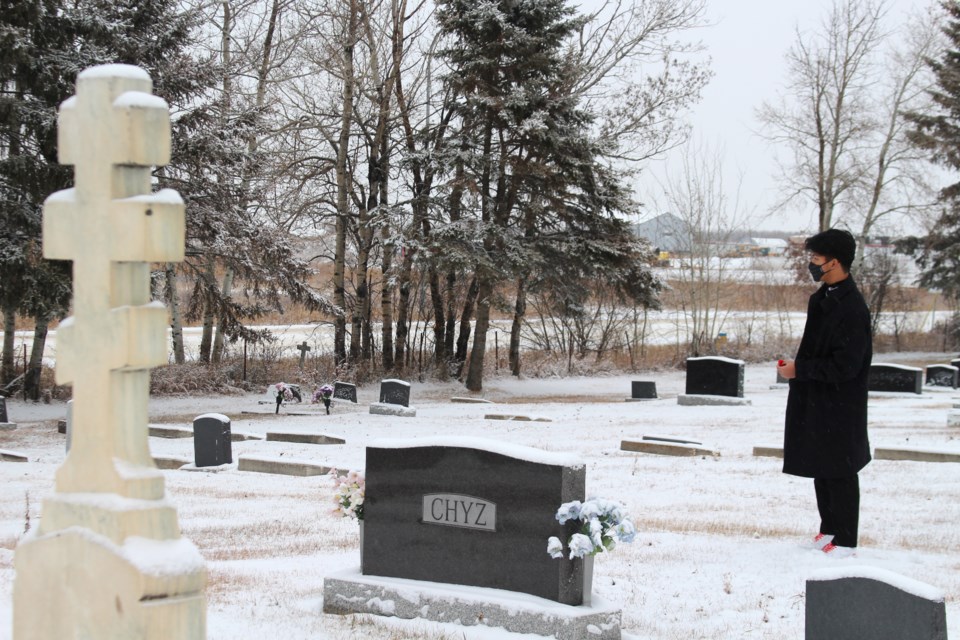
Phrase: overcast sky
[747,42]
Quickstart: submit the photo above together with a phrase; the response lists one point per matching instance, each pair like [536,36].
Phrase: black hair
[834,243]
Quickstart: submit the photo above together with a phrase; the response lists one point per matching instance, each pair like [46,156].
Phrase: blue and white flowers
[605,523]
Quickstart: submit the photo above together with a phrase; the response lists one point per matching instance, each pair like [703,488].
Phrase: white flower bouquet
[605,523]
[350,491]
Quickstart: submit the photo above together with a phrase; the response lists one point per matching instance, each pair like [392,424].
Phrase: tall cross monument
[107,559]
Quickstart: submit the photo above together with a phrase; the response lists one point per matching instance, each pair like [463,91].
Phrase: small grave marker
[661,448]
[896,378]
[282,466]
[345,391]
[303,348]
[853,603]
[211,440]
[395,392]
[916,454]
[715,376]
[642,390]
[3,410]
[942,375]
[304,437]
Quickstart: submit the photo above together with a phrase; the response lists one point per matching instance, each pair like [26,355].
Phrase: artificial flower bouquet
[350,491]
[605,523]
[326,391]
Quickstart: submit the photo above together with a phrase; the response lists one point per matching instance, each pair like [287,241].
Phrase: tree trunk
[439,321]
[519,310]
[31,381]
[450,332]
[217,354]
[464,339]
[7,371]
[475,371]
[386,301]
[176,323]
[206,339]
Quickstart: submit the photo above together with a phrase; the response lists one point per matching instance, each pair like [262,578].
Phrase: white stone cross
[112,227]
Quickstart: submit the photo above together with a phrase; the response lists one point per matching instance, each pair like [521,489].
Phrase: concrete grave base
[505,416]
[163,431]
[170,462]
[303,437]
[697,400]
[666,448]
[289,467]
[12,456]
[915,454]
[8,426]
[347,592]
[398,410]
[768,451]
[639,399]
[470,400]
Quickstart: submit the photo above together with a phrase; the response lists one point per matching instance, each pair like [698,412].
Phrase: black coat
[826,425]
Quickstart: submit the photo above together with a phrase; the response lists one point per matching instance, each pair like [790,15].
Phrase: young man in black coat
[826,424]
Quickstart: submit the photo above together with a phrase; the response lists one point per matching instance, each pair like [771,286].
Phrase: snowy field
[719,553]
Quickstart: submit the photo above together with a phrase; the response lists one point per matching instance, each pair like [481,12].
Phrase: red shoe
[835,551]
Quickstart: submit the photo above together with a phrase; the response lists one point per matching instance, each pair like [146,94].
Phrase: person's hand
[787,369]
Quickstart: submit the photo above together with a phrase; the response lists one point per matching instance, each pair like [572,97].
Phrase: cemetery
[725,532]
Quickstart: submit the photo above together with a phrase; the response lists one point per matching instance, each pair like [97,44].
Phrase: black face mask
[816,271]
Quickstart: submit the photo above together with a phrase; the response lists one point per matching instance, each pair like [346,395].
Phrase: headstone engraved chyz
[89,568]
[942,375]
[715,375]
[212,443]
[471,512]
[345,391]
[897,378]
[854,603]
[395,392]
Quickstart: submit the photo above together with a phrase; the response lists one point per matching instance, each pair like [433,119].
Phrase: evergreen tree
[939,133]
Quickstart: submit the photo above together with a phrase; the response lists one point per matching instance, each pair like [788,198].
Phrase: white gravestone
[107,560]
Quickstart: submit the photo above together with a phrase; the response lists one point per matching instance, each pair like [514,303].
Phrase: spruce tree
[939,133]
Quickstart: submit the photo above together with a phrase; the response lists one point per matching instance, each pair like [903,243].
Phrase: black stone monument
[715,376]
[471,516]
[211,440]
[857,608]
[956,363]
[942,375]
[643,390]
[395,392]
[896,378]
[3,410]
[345,391]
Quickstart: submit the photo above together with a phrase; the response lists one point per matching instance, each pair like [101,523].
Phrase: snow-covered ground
[719,553]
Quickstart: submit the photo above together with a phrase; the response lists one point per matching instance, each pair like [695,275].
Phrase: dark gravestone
[895,377]
[3,410]
[876,605]
[211,440]
[715,376]
[395,392]
[471,516]
[345,391]
[643,390]
[956,363]
[942,375]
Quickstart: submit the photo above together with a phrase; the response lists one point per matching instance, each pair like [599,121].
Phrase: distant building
[770,246]
[666,232]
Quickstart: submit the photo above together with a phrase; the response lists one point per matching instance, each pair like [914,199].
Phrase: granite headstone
[942,375]
[955,362]
[395,392]
[866,603]
[212,445]
[643,389]
[345,391]
[3,410]
[472,512]
[895,377]
[715,376]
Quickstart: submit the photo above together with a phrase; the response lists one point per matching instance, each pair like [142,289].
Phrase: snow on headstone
[108,521]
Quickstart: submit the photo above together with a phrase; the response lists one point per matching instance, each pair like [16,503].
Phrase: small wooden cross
[303,352]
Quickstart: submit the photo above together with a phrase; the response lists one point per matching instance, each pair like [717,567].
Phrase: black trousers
[838,500]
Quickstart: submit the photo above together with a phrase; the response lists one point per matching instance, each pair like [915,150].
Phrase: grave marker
[642,390]
[395,392]
[345,391]
[896,378]
[715,376]
[108,519]
[854,603]
[3,410]
[212,443]
[303,348]
[942,375]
